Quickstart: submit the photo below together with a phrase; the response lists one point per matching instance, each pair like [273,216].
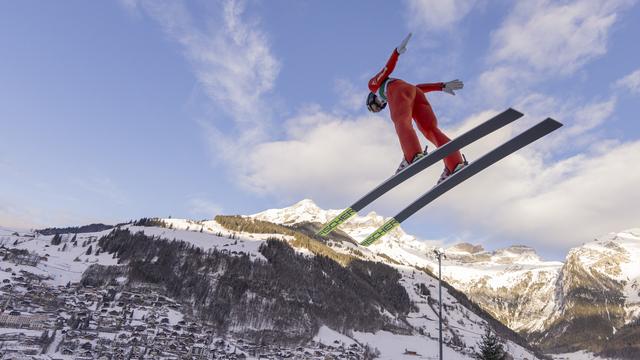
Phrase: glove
[403,45]
[449,86]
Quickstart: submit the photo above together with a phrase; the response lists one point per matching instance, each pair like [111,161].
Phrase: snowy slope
[461,335]
[63,266]
[461,323]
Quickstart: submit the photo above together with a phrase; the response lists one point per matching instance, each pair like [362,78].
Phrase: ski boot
[446,173]
[404,164]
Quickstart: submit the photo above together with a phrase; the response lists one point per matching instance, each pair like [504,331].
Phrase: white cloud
[591,116]
[233,63]
[437,14]
[324,157]
[553,204]
[502,83]
[630,82]
[553,36]
[542,39]
[579,118]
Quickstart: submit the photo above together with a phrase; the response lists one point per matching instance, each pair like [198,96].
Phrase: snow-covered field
[62,266]
[66,262]
[579,355]
[462,323]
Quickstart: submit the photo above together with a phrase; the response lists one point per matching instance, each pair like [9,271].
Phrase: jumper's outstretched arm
[376,81]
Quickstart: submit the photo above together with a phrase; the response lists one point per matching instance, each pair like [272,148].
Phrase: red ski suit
[408,102]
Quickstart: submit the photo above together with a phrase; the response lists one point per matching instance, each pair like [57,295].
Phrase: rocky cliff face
[596,295]
[513,284]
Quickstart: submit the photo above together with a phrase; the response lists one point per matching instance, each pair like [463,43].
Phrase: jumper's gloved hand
[403,45]
[449,86]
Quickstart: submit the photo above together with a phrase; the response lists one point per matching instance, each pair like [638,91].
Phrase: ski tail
[529,136]
[380,232]
[335,222]
[483,129]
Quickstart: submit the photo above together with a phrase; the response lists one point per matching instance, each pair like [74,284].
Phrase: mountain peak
[466,248]
[518,249]
[306,204]
[303,211]
[516,254]
[358,227]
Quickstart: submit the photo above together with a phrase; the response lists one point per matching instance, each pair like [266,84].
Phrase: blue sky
[111,111]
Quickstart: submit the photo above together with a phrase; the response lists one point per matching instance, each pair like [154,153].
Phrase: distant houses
[34,322]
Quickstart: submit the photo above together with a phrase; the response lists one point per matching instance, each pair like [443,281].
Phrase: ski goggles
[373,105]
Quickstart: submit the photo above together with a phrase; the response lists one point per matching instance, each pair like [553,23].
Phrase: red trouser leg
[428,125]
[400,99]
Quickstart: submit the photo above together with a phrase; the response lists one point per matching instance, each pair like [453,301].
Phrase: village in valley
[41,320]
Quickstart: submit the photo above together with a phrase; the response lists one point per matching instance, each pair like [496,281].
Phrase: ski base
[335,222]
[382,231]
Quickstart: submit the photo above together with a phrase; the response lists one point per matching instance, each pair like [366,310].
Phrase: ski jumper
[406,102]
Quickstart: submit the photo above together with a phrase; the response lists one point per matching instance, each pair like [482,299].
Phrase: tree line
[285,298]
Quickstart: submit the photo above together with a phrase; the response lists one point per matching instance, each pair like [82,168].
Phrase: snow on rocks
[616,256]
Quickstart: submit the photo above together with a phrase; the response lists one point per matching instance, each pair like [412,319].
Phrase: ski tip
[515,112]
[556,124]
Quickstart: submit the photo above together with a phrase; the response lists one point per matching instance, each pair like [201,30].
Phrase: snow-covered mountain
[598,285]
[106,257]
[537,298]
[358,227]
[589,302]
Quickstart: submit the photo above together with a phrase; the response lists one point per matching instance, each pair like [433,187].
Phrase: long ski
[440,153]
[534,133]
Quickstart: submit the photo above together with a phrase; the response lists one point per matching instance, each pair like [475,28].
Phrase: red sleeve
[376,81]
[430,87]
